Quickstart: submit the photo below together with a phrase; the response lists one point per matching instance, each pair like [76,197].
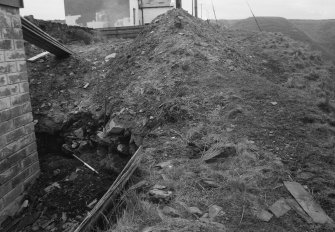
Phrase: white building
[114,13]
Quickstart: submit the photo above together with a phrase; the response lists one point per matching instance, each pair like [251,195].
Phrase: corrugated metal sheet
[36,36]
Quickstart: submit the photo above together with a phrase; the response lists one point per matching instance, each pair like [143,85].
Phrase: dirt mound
[233,114]
[193,88]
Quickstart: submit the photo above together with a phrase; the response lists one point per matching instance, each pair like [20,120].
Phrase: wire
[254,16]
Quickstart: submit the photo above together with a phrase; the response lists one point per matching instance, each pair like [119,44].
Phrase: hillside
[319,34]
[321,31]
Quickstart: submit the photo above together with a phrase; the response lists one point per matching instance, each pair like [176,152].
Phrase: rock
[160,187]
[169,211]
[167,164]
[92,204]
[83,146]
[79,133]
[280,208]
[217,152]
[234,113]
[274,103]
[210,184]
[195,210]
[111,56]
[72,177]
[123,149]
[160,195]
[214,211]
[264,215]
[52,187]
[305,175]
[113,128]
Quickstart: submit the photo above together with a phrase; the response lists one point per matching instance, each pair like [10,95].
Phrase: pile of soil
[185,88]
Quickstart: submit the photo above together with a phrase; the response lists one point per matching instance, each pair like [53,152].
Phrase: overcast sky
[225,9]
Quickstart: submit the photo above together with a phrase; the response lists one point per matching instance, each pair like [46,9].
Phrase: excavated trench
[67,190]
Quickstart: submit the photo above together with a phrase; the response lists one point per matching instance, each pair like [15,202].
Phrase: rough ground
[186,90]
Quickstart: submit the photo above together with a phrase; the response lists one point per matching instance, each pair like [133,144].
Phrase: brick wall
[18,153]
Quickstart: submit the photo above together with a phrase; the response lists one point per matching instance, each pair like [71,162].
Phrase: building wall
[19,164]
[151,13]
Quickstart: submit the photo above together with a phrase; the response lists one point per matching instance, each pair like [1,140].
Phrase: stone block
[12,33]
[19,44]
[17,77]
[5,103]
[24,87]
[6,127]
[5,20]
[16,134]
[23,120]
[8,90]
[6,44]
[3,80]
[8,67]
[21,66]
[15,55]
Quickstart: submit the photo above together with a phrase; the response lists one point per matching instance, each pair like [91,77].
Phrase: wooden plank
[39,56]
[306,201]
[112,193]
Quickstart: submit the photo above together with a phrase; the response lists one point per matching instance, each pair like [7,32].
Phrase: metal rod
[259,27]
[87,165]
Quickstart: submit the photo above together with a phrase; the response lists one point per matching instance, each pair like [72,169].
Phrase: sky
[225,9]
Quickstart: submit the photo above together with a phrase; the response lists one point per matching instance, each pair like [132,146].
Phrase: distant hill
[319,34]
[320,31]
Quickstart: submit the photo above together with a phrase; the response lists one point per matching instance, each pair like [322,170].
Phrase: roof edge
[12,3]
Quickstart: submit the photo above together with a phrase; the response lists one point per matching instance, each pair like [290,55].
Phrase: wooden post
[196,8]
[178,4]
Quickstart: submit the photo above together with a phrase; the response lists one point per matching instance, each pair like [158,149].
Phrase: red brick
[26,108]
[9,174]
[17,77]
[17,145]
[8,90]
[13,160]
[19,44]
[8,67]
[32,159]
[3,141]
[13,195]
[23,120]
[5,103]
[15,55]
[21,66]
[24,87]
[5,115]
[20,99]
[3,80]
[31,148]
[31,179]
[15,135]
[20,178]
[5,188]
[30,128]
[6,44]
[6,126]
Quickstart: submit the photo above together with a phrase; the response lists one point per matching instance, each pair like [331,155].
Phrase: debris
[72,177]
[64,217]
[86,85]
[306,201]
[279,208]
[274,103]
[79,133]
[210,184]
[195,210]
[160,193]
[111,56]
[296,207]
[166,164]
[25,204]
[39,56]
[159,187]
[264,215]
[90,205]
[214,211]
[112,192]
[113,128]
[170,211]
[52,187]
[87,165]
[219,151]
